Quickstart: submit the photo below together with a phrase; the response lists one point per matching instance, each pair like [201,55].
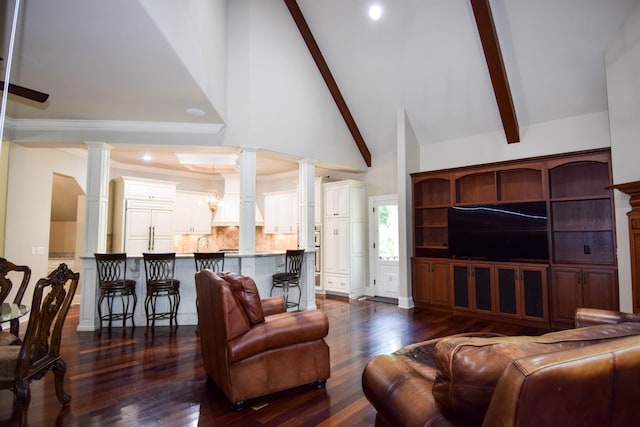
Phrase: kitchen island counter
[258,265]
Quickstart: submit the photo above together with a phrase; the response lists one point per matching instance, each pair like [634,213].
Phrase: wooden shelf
[580,179]
[518,185]
[476,188]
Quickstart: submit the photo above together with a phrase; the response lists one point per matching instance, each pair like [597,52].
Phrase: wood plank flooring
[135,379]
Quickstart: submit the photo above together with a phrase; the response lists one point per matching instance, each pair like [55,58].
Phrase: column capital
[99,144]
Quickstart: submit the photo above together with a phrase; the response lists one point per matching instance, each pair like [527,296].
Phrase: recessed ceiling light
[195,111]
[146,157]
[375,12]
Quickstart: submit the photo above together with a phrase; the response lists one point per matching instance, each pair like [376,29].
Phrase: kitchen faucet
[198,242]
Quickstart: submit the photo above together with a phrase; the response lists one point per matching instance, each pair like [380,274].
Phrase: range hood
[228,212]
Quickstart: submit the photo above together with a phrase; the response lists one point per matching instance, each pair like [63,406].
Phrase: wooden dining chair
[7,267]
[40,350]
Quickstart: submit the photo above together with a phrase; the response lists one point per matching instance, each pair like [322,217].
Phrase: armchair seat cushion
[277,331]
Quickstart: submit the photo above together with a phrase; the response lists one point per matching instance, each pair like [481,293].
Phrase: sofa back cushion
[246,293]
[468,368]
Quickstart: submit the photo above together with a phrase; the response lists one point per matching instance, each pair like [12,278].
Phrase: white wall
[578,133]
[29,203]
[622,60]
[200,41]
[408,162]
[277,97]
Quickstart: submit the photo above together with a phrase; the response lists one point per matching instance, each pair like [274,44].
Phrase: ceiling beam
[497,72]
[310,41]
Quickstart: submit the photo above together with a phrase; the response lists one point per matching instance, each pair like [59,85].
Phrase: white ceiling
[424,55]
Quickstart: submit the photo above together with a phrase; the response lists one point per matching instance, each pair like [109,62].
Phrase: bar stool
[212,260]
[290,278]
[113,284]
[159,269]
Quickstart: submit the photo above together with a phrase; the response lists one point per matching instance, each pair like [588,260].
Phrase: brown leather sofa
[252,347]
[587,376]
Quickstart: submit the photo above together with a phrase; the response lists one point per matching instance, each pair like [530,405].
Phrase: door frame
[389,199]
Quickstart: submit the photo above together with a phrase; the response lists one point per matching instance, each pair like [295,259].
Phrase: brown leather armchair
[252,347]
[586,376]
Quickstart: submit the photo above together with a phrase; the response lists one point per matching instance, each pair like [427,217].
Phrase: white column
[247,232]
[306,215]
[95,231]
[96,214]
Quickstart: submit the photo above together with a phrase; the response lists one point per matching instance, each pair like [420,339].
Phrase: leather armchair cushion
[468,368]
[246,293]
[279,330]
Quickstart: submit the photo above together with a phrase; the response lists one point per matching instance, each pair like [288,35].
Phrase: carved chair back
[6,284]
[40,350]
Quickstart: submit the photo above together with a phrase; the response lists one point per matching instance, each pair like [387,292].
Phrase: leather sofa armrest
[594,316]
[273,305]
[402,396]
[581,386]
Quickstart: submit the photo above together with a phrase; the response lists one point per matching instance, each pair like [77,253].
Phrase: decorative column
[306,215]
[633,190]
[247,232]
[95,231]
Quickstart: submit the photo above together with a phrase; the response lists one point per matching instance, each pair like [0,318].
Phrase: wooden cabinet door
[534,291]
[461,286]
[482,286]
[507,291]
[440,283]
[566,293]
[600,288]
[421,278]
[431,281]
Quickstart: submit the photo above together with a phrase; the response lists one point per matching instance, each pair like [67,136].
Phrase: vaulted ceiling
[108,60]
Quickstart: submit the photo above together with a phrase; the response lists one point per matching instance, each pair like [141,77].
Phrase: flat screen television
[500,232]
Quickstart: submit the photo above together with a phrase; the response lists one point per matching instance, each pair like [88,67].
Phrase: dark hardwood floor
[133,379]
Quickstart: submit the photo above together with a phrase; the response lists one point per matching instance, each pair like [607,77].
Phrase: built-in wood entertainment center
[581,267]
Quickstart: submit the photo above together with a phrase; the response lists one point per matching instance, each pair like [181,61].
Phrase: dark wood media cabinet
[581,270]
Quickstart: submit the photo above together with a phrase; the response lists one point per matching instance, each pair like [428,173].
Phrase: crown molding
[112,126]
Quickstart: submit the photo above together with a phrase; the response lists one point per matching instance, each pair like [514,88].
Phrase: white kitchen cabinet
[142,220]
[191,213]
[318,201]
[281,212]
[149,227]
[343,245]
[336,200]
[146,189]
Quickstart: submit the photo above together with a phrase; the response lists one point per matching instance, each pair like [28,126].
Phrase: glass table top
[10,311]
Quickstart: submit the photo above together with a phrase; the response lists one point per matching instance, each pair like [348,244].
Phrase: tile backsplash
[228,238]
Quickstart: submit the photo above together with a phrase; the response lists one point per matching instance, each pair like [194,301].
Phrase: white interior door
[385,263]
